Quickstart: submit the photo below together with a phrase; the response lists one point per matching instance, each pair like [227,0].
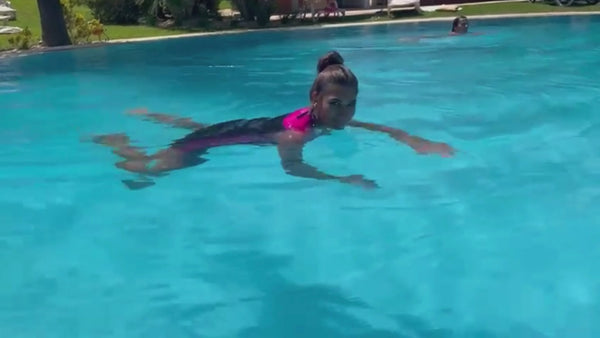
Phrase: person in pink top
[332,106]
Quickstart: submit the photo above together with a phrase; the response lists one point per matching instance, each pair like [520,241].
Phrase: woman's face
[462,26]
[335,105]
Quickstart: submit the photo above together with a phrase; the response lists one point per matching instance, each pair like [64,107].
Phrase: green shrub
[255,10]
[22,40]
[264,10]
[121,12]
[80,30]
[178,10]
[246,8]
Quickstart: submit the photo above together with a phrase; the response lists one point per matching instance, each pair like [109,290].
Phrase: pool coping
[352,24]
[14,53]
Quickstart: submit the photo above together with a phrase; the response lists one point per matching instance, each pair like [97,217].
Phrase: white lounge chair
[10,30]
[321,8]
[7,14]
[6,11]
[416,4]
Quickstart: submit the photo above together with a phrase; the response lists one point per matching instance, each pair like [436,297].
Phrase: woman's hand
[359,180]
[420,145]
[423,146]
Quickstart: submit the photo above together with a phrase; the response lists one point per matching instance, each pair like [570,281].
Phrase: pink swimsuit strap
[300,120]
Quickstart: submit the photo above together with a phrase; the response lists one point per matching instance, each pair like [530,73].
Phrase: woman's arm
[420,145]
[179,122]
[290,146]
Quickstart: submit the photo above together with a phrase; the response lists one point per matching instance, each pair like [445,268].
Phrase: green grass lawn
[131,31]
[28,16]
[225,4]
[516,7]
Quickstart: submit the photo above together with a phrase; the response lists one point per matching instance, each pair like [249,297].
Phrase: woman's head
[460,25]
[333,93]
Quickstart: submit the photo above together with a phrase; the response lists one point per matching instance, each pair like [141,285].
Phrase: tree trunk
[54,29]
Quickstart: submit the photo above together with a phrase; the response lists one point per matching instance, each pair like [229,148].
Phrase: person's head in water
[460,25]
[333,93]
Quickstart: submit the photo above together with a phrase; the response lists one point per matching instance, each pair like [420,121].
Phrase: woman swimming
[460,26]
[332,106]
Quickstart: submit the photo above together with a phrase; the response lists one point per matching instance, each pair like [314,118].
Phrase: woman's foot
[138,111]
[111,140]
[137,185]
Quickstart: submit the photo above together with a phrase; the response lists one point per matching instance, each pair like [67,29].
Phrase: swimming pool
[499,241]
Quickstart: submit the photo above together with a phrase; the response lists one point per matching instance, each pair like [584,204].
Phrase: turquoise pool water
[499,241]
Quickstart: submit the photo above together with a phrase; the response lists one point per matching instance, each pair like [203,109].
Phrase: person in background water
[333,98]
[460,25]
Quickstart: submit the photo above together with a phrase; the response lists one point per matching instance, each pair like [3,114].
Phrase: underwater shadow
[283,308]
[292,310]
[416,327]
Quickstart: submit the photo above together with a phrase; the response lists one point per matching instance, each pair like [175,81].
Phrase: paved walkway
[373,11]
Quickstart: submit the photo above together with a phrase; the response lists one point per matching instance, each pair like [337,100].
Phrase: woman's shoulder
[298,120]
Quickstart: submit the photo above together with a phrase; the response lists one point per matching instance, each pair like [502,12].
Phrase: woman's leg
[119,143]
[178,122]
[137,161]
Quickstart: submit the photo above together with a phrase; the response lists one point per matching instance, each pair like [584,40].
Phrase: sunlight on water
[499,241]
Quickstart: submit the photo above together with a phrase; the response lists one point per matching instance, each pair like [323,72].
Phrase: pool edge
[352,24]
[8,54]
